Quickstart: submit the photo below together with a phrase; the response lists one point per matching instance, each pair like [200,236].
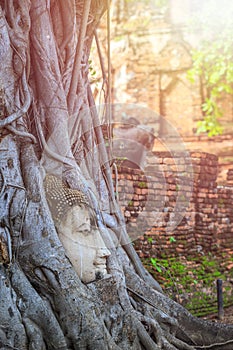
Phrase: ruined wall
[176,213]
[177,197]
[150,56]
[230,176]
[224,217]
[153,74]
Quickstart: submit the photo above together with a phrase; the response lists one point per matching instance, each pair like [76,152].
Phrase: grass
[192,280]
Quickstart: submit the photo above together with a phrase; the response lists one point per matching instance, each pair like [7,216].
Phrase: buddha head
[78,233]
[83,244]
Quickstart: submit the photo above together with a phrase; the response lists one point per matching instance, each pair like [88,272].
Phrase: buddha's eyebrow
[81,225]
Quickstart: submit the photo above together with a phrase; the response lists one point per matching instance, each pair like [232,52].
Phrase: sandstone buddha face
[83,244]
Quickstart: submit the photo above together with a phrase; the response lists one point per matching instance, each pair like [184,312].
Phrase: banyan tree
[56,186]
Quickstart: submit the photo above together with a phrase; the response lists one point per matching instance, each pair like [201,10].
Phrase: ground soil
[228,316]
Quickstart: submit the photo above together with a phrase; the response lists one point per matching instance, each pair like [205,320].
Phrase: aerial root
[217,346]
[178,343]
[144,337]
[36,311]
[164,339]
[34,334]
[20,133]
[19,113]
[153,327]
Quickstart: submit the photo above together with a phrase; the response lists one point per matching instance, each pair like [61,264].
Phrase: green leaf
[172,239]
[149,239]
[156,266]
[201,127]
[213,65]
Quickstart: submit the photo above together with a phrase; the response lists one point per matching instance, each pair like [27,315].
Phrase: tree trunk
[49,126]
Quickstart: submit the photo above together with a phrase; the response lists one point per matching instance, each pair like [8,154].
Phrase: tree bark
[49,125]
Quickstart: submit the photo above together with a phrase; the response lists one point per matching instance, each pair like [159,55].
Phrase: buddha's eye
[93,222]
[86,233]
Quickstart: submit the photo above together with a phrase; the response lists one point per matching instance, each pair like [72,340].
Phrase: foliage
[213,66]
[191,281]
[130,203]
[142,184]
[150,240]
[119,160]
[172,239]
[156,265]
[91,68]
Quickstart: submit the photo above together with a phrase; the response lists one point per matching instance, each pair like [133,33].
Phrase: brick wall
[230,176]
[177,197]
[225,218]
[176,212]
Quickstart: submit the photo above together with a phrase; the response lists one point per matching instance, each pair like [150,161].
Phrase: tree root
[37,310]
[12,332]
[78,57]
[14,116]
[21,133]
[179,328]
